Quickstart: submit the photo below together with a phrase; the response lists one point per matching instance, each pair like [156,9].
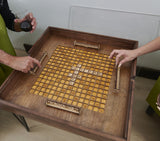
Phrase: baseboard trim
[147,73]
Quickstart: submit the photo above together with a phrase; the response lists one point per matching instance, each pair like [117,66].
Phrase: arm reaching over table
[24,64]
[123,56]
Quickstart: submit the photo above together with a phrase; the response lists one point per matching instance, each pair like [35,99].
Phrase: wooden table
[114,124]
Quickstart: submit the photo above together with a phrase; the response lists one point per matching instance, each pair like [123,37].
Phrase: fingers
[32,63]
[31,18]
[34,24]
[122,62]
[122,56]
[28,64]
[112,53]
[118,55]
[18,20]
[30,15]
[35,61]
[118,58]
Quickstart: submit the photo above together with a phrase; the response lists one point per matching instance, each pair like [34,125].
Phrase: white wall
[58,13]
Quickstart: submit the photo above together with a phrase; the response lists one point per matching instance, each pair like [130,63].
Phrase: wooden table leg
[22,120]
[150,111]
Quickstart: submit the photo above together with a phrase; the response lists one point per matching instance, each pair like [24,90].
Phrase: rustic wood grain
[113,125]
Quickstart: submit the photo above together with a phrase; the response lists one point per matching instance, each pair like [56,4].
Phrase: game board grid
[88,91]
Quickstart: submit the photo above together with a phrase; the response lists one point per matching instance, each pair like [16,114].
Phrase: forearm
[5,58]
[23,64]
[123,56]
[149,47]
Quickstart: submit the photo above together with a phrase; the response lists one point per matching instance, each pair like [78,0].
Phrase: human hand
[29,17]
[24,64]
[123,56]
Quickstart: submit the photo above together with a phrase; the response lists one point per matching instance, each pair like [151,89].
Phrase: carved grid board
[76,77]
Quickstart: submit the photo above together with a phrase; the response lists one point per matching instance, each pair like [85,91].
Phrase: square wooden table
[76,77]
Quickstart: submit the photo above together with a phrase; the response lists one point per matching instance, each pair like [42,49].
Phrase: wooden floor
[144,128]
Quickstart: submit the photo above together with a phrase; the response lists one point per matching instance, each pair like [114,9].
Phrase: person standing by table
[123,56]
[23,64]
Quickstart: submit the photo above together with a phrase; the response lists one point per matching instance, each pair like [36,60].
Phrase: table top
[106,112]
